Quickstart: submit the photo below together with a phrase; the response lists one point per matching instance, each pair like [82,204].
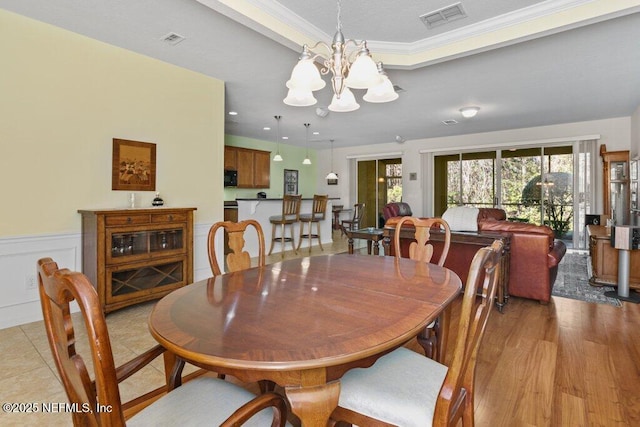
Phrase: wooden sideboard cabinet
[604,260]
[135,255]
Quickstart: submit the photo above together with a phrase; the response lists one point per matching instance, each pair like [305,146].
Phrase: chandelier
[351,67]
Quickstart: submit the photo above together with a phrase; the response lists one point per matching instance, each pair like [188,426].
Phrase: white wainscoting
[20,304]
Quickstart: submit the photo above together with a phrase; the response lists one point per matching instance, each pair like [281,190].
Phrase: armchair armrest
[134,365]
[556,253]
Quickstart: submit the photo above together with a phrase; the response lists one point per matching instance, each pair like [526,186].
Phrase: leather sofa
[396,209]
[534,254]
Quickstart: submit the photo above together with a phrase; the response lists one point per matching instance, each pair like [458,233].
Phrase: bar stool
[290,215]
[317,214]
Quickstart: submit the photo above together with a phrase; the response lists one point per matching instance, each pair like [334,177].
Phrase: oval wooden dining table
[302,323]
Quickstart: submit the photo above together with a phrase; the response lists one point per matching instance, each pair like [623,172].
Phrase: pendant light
[307,160]
[277,157]
[331,175]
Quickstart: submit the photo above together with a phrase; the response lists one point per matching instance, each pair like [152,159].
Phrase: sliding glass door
[379,183]
[531,184]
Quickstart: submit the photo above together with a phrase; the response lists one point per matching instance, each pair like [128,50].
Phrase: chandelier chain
[339,22]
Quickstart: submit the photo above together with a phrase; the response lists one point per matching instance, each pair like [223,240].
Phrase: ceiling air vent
[443,16]
[172,38]
[450,122]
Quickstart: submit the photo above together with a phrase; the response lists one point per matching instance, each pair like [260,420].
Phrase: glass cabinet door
[618,191]
[124,245]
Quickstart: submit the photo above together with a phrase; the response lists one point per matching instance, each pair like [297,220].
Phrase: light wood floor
[569,363]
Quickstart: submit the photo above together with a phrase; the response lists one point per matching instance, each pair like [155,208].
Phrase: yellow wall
[63,97]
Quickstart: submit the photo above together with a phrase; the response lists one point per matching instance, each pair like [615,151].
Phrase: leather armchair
[391,210]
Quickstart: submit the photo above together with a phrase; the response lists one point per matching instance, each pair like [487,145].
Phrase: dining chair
[290,216]
[201,401]
[354,222]
[404,388]
[235,257]
[318,211]
[433,338]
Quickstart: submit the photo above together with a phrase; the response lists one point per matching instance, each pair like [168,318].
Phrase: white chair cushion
[462,218]
[401,388]
[202,401]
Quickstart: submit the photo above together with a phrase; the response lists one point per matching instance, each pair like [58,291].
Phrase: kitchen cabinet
[253,166]
[135,255]
[230,158]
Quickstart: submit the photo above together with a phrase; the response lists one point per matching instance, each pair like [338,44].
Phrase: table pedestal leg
[314,405]
[376,247]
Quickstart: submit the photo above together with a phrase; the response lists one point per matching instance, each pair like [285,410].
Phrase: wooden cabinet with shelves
[253,166]
[135,255]
[615,186]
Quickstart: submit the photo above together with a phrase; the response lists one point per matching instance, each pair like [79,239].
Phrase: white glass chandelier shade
[307,160]
[468,112]
[381,93]
[277,157]
[363,73]
[298,97]
[346,72]
[345,103]
[305,74]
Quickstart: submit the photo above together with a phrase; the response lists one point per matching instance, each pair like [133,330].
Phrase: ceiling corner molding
[270,18]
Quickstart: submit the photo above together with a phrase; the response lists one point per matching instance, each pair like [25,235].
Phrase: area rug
[573,281]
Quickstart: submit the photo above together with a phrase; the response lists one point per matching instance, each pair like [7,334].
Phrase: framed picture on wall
[290,181]
[133,166]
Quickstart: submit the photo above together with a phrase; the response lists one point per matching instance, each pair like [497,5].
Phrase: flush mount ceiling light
[468,112]
[351,66]
[277,157]
[306,160]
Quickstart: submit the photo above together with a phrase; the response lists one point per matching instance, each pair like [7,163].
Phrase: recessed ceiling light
[233,113]
[285,137]
[450,122]
[316,133]
[266,128]
[468,112]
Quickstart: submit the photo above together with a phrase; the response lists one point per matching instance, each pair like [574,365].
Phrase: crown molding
[270,18]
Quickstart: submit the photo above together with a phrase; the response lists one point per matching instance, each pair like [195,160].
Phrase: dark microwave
[230,178]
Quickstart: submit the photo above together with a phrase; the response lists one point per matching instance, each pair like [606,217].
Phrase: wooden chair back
[291,206]
[358,212]
[456,394]
[421,249]
[237,259]
[319,208]
[57,289]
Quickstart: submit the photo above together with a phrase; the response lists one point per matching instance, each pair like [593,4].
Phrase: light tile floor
[28,374]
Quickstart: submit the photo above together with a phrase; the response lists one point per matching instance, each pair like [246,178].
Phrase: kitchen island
[262,209]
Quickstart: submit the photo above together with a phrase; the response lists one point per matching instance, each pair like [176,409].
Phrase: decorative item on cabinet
[157,201]
[135,256]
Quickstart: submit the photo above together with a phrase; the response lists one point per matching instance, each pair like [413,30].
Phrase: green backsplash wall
[293,157]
